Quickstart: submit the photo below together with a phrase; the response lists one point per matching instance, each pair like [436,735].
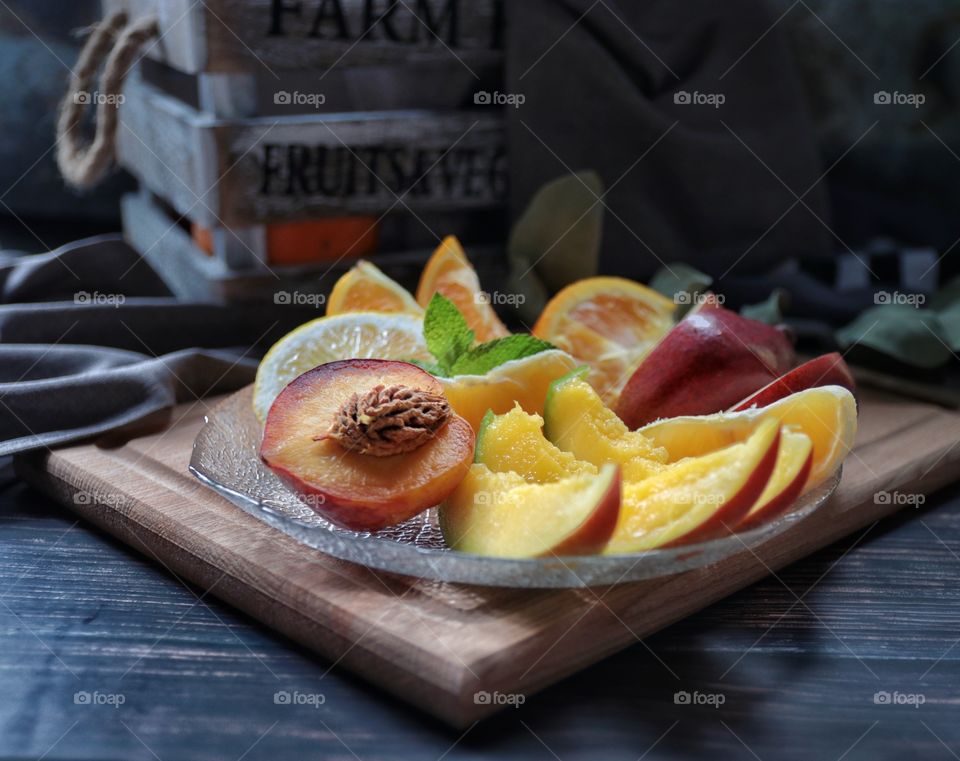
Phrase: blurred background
[809,145]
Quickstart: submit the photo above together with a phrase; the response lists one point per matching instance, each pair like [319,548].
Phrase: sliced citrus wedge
[524,381]
[364,288]
[501,515]
[696,499]
[609,323]
[450,273]
[827,415]
[359,335]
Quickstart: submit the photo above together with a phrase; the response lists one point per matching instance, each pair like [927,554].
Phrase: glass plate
[225,457]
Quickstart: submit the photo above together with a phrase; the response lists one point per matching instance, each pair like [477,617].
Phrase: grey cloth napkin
[109,347]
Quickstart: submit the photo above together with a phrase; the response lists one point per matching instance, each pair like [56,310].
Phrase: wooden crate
[240,36]
[238,269]
[249,172]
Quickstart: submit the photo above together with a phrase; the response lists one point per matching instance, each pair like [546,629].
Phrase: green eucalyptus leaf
[559,232]
[912,336]
[677,278]
[770,310]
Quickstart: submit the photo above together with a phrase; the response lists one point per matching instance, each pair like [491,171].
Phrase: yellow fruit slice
[827,415]
[524,381]
[577,421]
[450,273]
[514,442]
[790,474]
[608,323]
[501,515]
[364,288]
[358,335]
[696,499]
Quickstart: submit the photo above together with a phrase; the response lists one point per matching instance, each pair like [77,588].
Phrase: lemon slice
[362,335]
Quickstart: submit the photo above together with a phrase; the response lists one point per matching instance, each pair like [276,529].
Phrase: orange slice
[827,415]
[520,381]
[364,288]
[449,273]
[609,323]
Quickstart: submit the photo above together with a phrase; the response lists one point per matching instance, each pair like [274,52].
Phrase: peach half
[354,490]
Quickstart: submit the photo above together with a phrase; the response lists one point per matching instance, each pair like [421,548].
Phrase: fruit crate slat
[194,275]
[226,36]
[240,173]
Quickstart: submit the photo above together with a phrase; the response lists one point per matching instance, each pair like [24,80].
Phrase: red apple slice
[825,370]
[709,360]
[502,515]
[790,474]
[358,491]
[698,498]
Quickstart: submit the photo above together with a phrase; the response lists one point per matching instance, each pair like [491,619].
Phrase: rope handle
[113,39]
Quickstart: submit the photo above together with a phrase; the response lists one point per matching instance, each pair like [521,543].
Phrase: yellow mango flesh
[685,495]
[502,515]
[514,442]
[578,421]
[791,458]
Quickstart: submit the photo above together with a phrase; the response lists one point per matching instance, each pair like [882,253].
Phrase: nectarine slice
[790,474]
[359,491]
[502,515]
[696,499]
[515,442]
[709,361]
[577,421]
[827,415]
[825,370]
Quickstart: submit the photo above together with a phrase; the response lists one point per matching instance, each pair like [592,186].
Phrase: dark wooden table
[105,656]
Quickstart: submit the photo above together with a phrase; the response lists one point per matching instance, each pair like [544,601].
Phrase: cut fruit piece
[825,370]
[609,323]
[712,359]
[577,421]
[362,492]
[501,515]
[515,442]
[827,415]
[697,499]
[364,288]
[449,272]
[790,474]
[520,381]
[358,335]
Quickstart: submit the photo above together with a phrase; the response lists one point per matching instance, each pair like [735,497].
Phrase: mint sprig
[451,342]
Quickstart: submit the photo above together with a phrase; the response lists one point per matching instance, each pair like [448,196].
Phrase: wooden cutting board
[456,651]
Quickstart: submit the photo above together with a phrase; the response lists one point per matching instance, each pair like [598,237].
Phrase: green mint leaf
[431,367]
[446,332]
[483,358]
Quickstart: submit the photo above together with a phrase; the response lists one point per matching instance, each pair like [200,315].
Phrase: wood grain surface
[439,645]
